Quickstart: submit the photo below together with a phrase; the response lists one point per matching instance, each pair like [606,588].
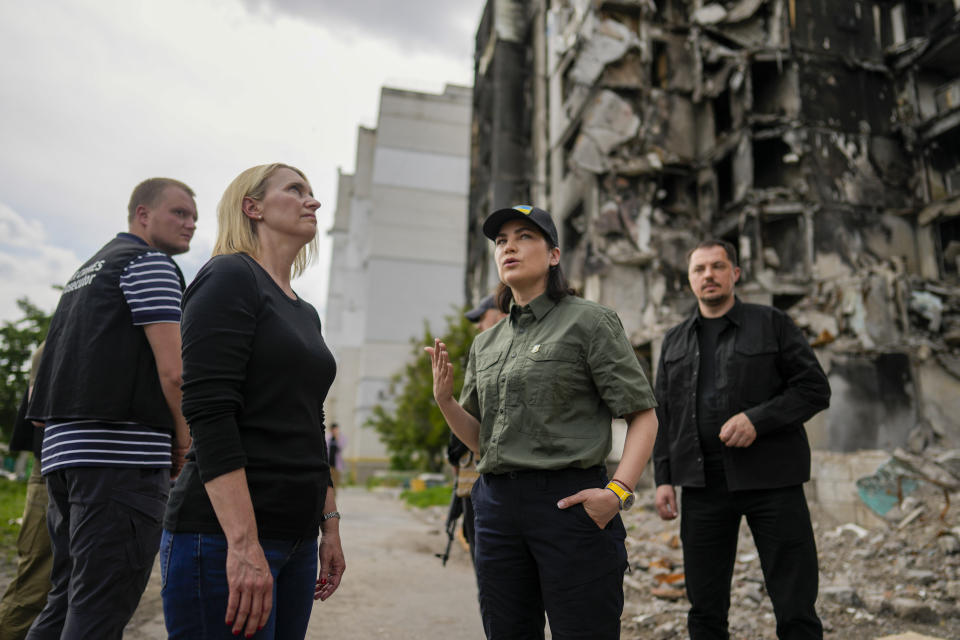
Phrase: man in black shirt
[734,385]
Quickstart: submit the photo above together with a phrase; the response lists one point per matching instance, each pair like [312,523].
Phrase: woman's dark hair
[557,288]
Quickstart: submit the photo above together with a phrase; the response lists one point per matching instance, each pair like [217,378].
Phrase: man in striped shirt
[108,393]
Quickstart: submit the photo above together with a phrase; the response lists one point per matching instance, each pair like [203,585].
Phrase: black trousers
[534,558]
[780,523]
[469,528]
[105,526]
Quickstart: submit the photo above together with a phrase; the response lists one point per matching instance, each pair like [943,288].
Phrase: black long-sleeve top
[764,368]
[255,374]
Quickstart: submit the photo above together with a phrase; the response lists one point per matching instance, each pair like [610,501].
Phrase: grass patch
[390,479]
[430,497]
[12,497]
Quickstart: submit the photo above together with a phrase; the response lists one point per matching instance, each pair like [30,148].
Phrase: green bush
[410,423]
[390,479]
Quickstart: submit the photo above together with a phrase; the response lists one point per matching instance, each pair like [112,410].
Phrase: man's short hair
[714,242]
[148,192]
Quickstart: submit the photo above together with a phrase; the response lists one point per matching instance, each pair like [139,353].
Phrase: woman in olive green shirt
[539,394]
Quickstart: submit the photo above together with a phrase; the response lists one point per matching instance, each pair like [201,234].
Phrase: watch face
[628,501]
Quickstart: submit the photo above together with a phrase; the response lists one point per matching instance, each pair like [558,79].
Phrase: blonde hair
[237,233]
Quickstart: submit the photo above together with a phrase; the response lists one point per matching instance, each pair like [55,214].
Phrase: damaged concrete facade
[821,137]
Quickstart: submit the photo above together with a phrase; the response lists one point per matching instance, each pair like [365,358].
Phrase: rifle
[453,514]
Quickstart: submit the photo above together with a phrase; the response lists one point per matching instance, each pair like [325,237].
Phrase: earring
[259,217]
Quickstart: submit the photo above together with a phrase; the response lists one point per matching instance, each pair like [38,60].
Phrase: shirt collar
[135,238]
[734,315]
[539,306]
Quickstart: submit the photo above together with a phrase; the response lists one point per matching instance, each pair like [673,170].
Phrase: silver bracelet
[332,514]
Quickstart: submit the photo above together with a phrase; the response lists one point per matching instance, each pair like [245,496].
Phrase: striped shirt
[96,443]
[151,287]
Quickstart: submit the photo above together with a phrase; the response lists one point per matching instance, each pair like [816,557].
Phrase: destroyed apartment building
[821,137]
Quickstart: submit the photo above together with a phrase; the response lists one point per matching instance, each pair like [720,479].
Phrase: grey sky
[99,94]
[445,27]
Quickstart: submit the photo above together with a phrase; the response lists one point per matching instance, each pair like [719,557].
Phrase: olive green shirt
[546,382]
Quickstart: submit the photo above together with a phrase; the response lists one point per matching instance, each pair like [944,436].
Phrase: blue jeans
[194,586]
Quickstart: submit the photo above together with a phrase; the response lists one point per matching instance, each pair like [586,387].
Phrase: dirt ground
[394,586]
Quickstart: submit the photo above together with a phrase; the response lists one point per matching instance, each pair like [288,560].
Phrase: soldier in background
[26,595]
[485,315]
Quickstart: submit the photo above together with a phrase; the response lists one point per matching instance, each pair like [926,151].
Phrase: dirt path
[394,587]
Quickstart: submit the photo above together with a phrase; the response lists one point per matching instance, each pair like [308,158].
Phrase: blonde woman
[239,553]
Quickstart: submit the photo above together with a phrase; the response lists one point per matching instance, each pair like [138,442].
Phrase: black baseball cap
[536,215]
[485,305]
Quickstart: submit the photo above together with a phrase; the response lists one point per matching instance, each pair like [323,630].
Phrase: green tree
[411,425]
[18,340]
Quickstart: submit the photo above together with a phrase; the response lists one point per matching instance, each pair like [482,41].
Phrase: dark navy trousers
[534,558]
[104,526]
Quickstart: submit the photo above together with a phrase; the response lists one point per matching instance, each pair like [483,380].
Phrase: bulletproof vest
[96,364]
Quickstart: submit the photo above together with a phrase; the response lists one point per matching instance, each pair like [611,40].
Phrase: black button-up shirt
[764,368]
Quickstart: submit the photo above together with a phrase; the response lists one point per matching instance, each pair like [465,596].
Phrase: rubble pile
[900,576]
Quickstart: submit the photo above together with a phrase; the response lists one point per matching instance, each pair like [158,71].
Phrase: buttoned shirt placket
[520,320]
[694,432]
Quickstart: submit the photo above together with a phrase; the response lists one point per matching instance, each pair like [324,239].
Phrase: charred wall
[502,117]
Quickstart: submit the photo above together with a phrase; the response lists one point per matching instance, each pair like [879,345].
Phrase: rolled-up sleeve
[469,398]
[218,326]
[616,371]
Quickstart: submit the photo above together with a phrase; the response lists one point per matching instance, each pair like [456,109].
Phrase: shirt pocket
[678,365]
[552,374]
[756,371]
[487,370]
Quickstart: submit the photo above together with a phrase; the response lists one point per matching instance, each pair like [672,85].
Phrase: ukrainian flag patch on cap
[525,209]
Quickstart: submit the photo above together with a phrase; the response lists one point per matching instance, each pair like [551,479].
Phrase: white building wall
[398,252]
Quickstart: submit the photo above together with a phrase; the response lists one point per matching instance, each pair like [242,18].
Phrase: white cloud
[446,28]
[99,94]
[29,265]
[17,232]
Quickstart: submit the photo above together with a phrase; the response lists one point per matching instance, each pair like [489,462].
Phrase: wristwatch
[625,497]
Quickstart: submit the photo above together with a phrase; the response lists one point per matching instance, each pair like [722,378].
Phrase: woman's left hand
[600,504]
[332,566]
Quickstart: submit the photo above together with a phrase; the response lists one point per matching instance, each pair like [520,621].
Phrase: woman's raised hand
[442,371]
